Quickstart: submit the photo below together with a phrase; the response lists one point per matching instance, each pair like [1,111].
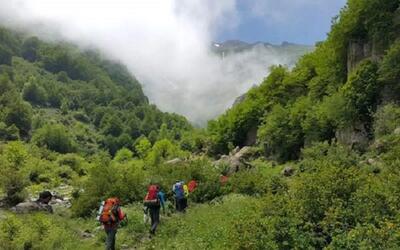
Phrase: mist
[166,44]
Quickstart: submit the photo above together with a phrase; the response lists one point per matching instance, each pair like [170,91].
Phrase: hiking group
[112,217]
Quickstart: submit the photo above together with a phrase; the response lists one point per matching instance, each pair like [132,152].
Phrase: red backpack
[151,198]
[110,211]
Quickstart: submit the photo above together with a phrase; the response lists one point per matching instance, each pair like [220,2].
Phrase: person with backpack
[179,193]
[192,185]
[186,193]
[161,196]
[111,215]
[153,201]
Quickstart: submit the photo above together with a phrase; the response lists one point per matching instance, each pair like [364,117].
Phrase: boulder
[356,137]
[31,206]
[87,234]
[288,171]
[237,159]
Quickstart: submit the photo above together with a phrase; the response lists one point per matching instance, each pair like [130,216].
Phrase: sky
[275,21]
[297,21]
[166,43]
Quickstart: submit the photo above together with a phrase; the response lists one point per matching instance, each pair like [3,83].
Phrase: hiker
[223,179]
[161,196]
[41,204]
[185,199]
[192,185]
[111,216]
[154,200]
[179,193]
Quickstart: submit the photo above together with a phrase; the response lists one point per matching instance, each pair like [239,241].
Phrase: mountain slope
[330,93]
[98,101]
[290,52]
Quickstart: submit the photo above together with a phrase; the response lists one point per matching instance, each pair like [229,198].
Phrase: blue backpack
[178,190]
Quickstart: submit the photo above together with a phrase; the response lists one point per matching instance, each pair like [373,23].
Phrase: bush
[40,231]
[387,119]
[19,113]
[12,179]
[107,179]
[55,137]
[34,93]
[164,150]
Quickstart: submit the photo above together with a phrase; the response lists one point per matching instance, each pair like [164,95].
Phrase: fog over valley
[168,45]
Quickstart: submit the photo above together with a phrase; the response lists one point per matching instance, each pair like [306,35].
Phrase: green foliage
[164,150]
[54,137]
[143,147]
[362,89]
[123,155]
[13,181]
[128,183]
[34,93]
[40,231]
[387,119]
[280,134]
[221,218]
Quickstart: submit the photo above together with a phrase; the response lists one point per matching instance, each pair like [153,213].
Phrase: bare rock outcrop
[237,160]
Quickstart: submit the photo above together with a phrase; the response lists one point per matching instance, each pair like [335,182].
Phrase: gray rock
[288,171]
[30,206]
[356,137]
[237,160]
[87,234]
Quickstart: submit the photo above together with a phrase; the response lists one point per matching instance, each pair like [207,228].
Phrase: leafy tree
[19,113]
[123,155]
[29,49]
[55,137]
[34,93]
[13,181]
[142,147]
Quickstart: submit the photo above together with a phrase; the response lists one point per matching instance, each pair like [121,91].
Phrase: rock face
[237,159]
[357,51]
[251,137]
[356,137]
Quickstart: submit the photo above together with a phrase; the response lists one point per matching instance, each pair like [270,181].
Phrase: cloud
[165,44]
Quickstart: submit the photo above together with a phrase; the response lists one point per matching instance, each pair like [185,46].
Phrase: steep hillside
[288,52]
[56,88]
[331,93]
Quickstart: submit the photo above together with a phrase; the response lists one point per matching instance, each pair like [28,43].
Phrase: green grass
[205,226]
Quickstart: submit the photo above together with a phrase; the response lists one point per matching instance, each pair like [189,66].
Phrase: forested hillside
[321,170]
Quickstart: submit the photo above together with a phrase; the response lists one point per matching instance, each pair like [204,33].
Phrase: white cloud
[165,43]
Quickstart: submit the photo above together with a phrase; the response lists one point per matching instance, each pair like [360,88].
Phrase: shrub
[55,137]
[387,119]
[107,179]
[12,179]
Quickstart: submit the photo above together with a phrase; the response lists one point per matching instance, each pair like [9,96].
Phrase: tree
[29,49]
[34,93]
[143,147]
[19,113]
[123,155]
[55,137]
[12,179]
